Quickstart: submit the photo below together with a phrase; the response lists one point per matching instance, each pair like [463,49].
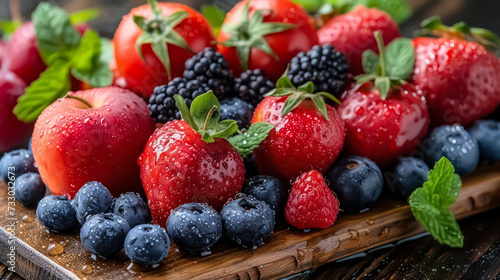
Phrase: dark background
[478,13]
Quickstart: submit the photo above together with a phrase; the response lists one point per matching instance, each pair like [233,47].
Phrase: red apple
[92,135]
[13,131]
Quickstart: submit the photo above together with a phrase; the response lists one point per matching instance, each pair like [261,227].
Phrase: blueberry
[14,164]
[268,189]
[454,143]
[56,213]
[93,198]
[104,234]
[408,174]
[132,208]
[29,189]
[147,244]
[194,227]
[238,110]
[247,221]
[357,181]
[487,134]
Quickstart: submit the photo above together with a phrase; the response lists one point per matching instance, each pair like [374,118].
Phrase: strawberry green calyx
[461,30]
[296,95]
[158,31]
[249,33]
[391,68]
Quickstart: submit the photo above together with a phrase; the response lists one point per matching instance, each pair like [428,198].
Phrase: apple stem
[79,99]
[209,116]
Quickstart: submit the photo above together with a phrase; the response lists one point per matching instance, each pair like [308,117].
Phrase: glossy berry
[56,213]
[92,198]
[104,234]
[247,221]
[487,134]
[322,65]
[238,110]
[460,79]
[29,189]
[408,174]
[178,167]
[267,189]
[147,244]
[194,227]
[251,86]
[132,208]
[383,130]
[162,105]
[456,144]
[251,168]
[352,33]
[357,181]
[211,68]
[311,203]
[301,140]
[14,164]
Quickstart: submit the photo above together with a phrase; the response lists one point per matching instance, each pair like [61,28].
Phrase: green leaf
[202,105]
[400,58]
[107,53]
[160,48]
[186,115]
[292,102]
[56,37]
[8,27]
[214,15]
[320,104]
[250,140]
[383,84]
[224,129]
[430,204]
[307,87]
[53,83]
[370,62]
[284,81]
[84,16]
[399,10]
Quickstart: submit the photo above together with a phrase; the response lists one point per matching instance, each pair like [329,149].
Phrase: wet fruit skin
[178,167]
[302,140]
[13,130]
[352,34]
[298,39]
[143,76]
[460,79]
[383,130]
[73,144]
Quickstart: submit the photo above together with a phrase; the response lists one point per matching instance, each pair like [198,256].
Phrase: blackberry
[252,85]
[322,65]
[211,68]
[236,109]
[162,105]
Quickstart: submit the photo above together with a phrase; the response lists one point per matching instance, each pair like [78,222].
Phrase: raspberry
[211,68]
[322,65]
[311,203]
[251,86]
[162,105]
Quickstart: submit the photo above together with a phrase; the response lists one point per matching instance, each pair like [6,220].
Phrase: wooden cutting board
[41,254]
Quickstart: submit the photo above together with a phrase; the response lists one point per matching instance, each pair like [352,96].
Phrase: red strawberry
[386,118]
[304,137]
[460,79]
[352,33]
[311,203]
[189,161]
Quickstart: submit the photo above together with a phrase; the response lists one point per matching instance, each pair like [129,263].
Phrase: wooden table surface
[421,258]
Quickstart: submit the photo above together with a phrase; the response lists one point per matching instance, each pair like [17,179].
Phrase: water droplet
[370,222]
[384,233]
[86,269]
[27,219]
[354,234]
[55,249]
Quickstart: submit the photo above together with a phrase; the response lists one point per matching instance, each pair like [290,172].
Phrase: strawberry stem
[209,116]
[380,44]
[70,96]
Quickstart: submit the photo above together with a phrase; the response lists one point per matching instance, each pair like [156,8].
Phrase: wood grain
[287,252]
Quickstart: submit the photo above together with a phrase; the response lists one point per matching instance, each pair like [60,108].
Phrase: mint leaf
[84,16]
[201,107]
[430,204]
[56,37]
[214,15]
[250,140]
[400,58]
[53,83]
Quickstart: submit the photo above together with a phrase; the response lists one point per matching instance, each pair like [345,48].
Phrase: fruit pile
[114,122]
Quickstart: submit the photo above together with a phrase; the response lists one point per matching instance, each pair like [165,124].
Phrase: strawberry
[352,33]
[385,116]
[311,204]
[460,79]
[308,133]
[190,161]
